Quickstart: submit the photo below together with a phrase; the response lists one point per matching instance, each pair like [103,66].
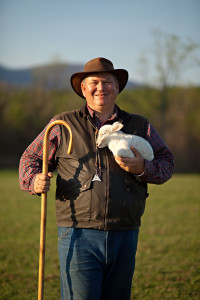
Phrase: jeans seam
[106,247]
[64,235]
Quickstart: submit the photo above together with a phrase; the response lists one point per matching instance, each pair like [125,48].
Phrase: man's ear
[83,88]
[116,126]
[117,87]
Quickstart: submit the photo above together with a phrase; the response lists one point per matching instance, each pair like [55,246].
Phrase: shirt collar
[92,113]
[98,121]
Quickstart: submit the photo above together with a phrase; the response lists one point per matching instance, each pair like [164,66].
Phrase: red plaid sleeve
[161,168]
[31,160]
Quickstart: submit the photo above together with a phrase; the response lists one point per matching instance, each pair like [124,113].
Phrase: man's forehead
[99,76]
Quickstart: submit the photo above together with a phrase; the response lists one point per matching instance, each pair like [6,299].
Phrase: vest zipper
[107,193]
[97,158]
[107,178]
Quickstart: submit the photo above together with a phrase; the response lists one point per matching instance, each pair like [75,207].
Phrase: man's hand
[133,165]
[42,183]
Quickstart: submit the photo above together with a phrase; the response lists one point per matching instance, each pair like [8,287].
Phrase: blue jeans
[96,264]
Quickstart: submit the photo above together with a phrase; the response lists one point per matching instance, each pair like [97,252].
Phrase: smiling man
[101,92]
[99,198]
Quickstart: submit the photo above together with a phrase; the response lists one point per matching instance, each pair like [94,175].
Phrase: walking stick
[44,203]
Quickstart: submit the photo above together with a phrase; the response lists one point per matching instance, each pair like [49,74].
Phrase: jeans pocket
[63,232]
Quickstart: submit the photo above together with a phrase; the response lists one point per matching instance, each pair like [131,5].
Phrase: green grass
[168,257]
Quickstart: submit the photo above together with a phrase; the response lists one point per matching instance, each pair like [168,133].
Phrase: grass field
[168,257]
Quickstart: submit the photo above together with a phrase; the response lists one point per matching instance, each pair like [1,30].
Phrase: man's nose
[100,86]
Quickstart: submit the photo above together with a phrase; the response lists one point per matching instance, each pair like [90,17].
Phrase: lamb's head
[105,133]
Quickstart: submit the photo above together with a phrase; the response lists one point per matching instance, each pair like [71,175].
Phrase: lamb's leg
[121,148]
[125,153]
[143,147]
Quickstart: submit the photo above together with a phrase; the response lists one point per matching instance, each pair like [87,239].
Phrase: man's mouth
[101,95]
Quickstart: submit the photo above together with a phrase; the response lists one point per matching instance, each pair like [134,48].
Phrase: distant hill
[53,76]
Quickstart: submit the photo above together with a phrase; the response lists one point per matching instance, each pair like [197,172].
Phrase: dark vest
[115,203]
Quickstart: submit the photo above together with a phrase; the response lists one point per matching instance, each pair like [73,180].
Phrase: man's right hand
[42,183]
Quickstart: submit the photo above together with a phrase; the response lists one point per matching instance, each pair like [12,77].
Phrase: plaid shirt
[98,121]
[157,171]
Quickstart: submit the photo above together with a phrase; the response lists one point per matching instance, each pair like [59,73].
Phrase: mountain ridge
[47,76]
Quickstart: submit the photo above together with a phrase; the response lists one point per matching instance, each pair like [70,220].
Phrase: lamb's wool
[120,143]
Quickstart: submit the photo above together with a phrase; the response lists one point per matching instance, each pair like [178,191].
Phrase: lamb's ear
[116,126]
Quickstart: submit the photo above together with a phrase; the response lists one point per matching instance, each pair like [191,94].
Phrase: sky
[36,32]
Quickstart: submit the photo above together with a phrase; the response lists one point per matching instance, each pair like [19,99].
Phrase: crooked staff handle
[44,203]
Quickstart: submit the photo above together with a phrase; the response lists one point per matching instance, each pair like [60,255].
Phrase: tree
[171,57]
[51,76]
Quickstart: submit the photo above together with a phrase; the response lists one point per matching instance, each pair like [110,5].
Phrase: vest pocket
[68,189]
[134,198]
[74,197]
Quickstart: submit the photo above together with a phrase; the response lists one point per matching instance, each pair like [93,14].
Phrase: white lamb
[119,142]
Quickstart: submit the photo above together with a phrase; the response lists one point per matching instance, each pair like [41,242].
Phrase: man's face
[100,91]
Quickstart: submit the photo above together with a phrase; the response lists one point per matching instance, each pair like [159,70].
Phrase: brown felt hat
[98,65]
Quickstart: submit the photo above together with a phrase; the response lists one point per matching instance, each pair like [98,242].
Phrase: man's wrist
[142,173]
[33,186]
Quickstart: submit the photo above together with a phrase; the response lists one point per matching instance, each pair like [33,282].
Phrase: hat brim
[76,79]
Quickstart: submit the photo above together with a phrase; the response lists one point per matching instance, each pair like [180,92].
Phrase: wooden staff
[44,203]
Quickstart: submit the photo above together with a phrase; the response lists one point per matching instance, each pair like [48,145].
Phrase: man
[99,198]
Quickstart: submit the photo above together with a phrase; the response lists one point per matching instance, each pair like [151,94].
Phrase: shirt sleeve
[31,161]
[161,168]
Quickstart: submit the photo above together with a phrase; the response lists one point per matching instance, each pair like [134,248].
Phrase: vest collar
[122,115]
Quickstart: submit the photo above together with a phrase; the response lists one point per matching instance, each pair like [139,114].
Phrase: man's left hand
[133,165]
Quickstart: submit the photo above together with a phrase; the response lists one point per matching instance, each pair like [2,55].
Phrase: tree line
[25,112]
